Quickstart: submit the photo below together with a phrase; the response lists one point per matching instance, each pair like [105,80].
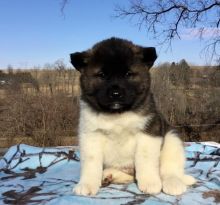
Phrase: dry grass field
[41,106]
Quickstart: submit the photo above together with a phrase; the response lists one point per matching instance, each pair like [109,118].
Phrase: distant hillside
[189,98]
[41,106]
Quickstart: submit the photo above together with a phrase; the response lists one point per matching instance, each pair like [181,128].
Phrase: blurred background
[39,89]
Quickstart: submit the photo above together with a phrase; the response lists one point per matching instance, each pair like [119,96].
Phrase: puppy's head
[114,74]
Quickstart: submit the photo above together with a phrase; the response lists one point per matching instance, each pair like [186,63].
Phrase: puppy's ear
[148,56]
[79,60]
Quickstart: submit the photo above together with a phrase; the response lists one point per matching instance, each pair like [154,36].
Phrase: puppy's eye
[130,74]
[100,75]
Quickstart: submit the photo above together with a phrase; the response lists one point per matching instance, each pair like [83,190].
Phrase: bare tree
[60,67]
[218,63]
[10,69]
[63,5]
[169,19]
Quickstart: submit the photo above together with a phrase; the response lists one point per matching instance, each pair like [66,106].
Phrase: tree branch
[166,19]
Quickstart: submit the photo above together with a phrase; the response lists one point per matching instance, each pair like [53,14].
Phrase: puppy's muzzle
[116,93]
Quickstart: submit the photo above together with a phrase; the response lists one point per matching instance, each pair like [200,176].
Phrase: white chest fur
[117,141]
[118,134]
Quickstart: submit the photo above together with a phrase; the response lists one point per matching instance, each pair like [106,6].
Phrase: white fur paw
[85,189]
[188,180]
[173,186]
[107,180]
[150,185]
[111,175]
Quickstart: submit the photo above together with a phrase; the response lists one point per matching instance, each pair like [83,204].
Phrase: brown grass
[42,108]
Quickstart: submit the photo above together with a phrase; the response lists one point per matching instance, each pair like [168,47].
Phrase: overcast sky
[34,32]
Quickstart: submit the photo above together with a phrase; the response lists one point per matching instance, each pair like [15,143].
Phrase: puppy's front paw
[188,180]
[85,189]
[150,185]
[106,180]
[173,186]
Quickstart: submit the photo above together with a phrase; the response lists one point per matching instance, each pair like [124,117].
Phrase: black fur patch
[115,78]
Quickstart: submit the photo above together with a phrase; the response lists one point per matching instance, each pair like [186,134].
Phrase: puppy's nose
[115,93]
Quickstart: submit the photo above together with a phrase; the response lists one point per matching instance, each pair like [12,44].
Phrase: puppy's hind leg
[172,162]
[115,176]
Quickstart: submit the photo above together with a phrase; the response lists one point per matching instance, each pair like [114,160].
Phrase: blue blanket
[35,175]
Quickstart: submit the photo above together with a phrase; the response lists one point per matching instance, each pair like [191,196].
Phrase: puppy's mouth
[116,106]
[113,107]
